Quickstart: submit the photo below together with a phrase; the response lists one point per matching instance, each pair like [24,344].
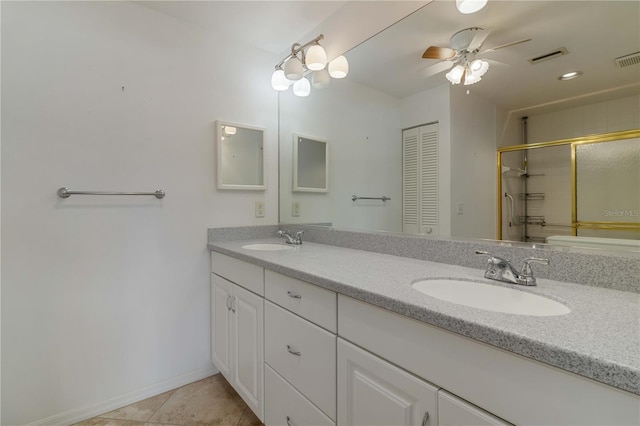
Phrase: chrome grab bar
[66,193]
[383,198]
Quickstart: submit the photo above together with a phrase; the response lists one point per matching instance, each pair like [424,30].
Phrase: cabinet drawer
[304,354]
[284,404]
[243,273]
[307,300]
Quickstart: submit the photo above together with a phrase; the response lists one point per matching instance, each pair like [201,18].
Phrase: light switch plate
[259,209]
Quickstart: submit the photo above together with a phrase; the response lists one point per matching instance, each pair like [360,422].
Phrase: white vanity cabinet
[511,387]
[237,332]
[373,392]
[300,352]
[453,411]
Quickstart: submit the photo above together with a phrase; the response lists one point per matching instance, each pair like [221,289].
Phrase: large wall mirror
[240,157]
[519,100]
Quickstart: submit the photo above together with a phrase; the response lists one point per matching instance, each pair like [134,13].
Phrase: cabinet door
[373,392]
[221,344]
[453,411]
[248,347]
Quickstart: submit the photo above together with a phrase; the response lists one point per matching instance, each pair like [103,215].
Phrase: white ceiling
[594,33]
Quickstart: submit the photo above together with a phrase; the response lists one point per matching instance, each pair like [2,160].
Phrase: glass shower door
[607,194]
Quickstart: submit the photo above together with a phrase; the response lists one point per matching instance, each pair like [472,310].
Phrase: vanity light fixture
[470,6]
[305,59]
[302,87]
[570,75]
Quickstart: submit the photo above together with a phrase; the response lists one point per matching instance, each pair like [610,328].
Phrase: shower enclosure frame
[574,143]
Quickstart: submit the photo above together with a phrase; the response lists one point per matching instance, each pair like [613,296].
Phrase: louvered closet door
[420,180]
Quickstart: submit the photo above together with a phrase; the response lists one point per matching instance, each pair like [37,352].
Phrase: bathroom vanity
[323,335]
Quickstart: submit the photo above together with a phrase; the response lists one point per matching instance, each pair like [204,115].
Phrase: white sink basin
[267,247]
[490,297]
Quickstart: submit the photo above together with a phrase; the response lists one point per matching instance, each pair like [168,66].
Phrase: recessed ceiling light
[570,75]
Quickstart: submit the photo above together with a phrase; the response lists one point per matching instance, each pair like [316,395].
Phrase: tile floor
[210,401]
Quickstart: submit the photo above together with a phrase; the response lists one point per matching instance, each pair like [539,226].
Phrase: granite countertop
[598,339]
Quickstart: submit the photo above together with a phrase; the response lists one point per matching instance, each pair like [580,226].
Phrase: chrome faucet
[295,239]
[501,270]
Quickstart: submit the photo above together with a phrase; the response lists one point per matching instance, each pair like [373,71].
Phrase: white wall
[602,117]
[362,127]
[105,299]
[473,165]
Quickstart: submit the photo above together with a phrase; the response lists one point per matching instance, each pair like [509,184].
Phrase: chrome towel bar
[66,193]
[383,198]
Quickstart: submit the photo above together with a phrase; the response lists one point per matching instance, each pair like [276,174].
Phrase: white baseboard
[78,414]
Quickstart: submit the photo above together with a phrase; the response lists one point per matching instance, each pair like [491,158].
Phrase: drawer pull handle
[293,352]
[228,305]
[294,295]
[425,419]
[233,299]
[289,422]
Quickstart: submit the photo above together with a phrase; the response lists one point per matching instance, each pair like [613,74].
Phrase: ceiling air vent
[628,60]
[551,55]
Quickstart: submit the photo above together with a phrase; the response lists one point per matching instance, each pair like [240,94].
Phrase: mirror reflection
[240,157]
[391,89]
[310,164]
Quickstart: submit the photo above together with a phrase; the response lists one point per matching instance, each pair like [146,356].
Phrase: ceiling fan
[462,57]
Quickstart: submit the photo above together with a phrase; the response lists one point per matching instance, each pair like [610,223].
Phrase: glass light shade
[479,67]
[470,6]
[455,75]
[302,87]
[339,67]
[316,58]
[320,79]
[293,69]
[279,82]
[471,78]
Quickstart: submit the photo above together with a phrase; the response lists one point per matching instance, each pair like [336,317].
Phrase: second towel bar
[383,198]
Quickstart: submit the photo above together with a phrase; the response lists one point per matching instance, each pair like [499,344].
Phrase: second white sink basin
[267,247]
[490,297]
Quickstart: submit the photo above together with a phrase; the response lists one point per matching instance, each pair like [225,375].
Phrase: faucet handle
[492,259]
[526,269]
[282,232]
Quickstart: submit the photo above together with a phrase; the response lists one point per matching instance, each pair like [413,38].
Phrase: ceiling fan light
[471,77]
[470,6]
[455,75]
[278,81]
[320,79]
[479,67]
[302,87]
[316,58]
[339,67]
[293,69]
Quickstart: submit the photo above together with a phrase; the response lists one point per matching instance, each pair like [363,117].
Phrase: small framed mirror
[240,157]
[310,164]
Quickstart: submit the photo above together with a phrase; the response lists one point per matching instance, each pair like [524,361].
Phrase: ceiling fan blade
[513,43]
[478,40]
[435,52]
[435,69]
[493,62]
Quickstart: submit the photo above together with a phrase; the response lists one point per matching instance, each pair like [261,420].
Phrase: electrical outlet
[259,209]
[295,209]
[460,208]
